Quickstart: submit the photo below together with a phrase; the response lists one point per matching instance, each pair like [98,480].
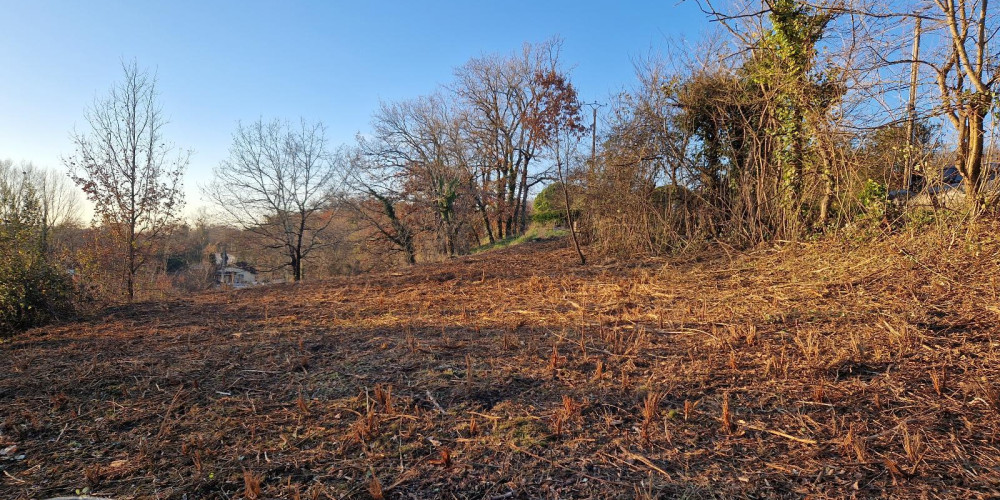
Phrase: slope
[831,369]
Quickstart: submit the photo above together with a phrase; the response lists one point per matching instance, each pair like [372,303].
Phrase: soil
[825,370]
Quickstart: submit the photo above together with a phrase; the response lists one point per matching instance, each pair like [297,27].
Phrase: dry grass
[828,370]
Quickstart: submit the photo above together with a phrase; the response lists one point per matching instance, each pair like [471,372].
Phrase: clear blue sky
[222,61]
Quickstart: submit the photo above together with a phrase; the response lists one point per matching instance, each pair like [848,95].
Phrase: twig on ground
[776,433]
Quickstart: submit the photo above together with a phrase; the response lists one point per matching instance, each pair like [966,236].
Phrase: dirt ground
[822,370]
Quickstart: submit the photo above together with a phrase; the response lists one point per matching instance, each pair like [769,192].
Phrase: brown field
[826,370]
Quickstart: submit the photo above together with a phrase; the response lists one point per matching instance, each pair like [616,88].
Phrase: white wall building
[235,277]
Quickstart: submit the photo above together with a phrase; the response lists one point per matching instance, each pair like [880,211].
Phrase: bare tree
[962,57]
[127,169]
[419,142]
[60,201]
[501,97]
[277,184]
[966,79]
[58,197]
[380,200]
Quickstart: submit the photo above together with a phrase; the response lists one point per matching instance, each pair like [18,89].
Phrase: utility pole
[911,109]
[593,132]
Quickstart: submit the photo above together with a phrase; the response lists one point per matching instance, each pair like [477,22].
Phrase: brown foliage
[825,390]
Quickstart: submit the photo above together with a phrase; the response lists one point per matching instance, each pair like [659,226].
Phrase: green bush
[876,214]
[33,291]
[920,219]
[546,216]
[874,198]
[550,204]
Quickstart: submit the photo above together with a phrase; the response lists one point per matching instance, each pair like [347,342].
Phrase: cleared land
[828,370]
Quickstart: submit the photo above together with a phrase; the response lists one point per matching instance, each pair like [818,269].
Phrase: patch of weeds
[523,431]
[535,232]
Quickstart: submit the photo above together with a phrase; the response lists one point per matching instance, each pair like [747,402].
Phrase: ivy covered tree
[784,67]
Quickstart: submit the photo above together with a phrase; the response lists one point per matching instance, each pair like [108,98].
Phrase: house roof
[246,267]
[234,269]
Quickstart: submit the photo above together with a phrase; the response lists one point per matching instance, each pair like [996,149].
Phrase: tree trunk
[824,204]
[130,258]
[569,211]
[501,202]
[523,200]
[974,159]
[296,268]
[411,253]
[450,239]
[482,205]
[911,109]
[487,223]
[297,251]
[511,203]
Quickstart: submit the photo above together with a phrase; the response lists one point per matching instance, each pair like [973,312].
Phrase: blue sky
[218,62]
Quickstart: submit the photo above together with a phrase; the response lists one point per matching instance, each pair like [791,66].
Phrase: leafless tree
[59,198]
[378,196]
[500,97]
[128,170]
[966,79]
[277,184]
[420,142]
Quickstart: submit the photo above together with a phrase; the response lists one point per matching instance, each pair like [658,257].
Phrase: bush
[874,198]
[32,292]
[877,215]
[550,204]
[920,219]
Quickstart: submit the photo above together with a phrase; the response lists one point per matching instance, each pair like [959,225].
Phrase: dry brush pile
[829,370]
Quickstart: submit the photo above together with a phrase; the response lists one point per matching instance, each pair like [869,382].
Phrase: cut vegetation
[827,370]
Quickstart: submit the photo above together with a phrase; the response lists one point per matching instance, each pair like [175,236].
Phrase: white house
[238,275]
[235,277]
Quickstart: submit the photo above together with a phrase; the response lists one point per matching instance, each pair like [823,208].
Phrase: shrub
[877,215]
[32,290]
[921,219]
[550,204]
[874,198]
